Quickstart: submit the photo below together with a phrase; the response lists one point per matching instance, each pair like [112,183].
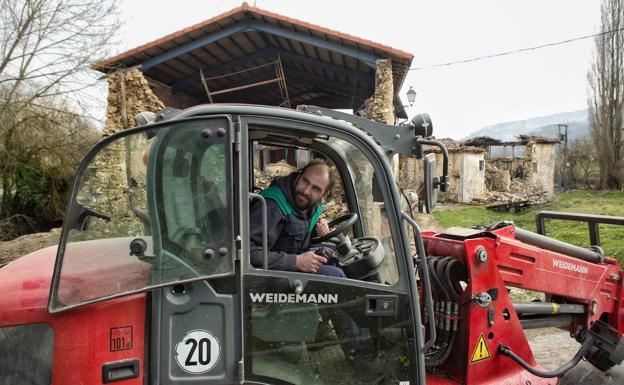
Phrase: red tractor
[152,283]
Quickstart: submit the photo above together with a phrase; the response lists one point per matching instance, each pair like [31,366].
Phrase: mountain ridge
[547,126]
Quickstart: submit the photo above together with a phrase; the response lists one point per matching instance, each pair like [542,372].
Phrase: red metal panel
[82,336]
[83,344]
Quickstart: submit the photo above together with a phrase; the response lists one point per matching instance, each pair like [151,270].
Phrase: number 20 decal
[198,352]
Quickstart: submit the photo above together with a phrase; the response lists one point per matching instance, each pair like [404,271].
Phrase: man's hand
[309,262]
[321,227]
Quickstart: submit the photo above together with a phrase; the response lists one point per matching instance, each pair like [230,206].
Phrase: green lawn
[578,201]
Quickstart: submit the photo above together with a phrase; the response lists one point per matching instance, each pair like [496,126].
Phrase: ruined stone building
[526,164]
[481,167]
[466,171]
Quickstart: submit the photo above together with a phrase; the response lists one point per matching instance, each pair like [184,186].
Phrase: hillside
[546,126]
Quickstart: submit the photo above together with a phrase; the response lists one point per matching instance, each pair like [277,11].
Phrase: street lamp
[411,96]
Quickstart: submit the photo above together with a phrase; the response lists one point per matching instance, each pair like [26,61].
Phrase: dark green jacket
[288,231]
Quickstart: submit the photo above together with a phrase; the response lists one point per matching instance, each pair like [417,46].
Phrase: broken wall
[541,167]
[466,178]
[528,177]
[497,176]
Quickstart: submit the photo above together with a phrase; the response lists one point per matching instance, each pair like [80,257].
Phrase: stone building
[466,171]
[528,162]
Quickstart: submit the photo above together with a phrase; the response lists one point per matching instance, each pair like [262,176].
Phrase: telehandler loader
[152,283]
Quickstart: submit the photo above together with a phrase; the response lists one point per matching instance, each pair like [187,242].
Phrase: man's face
[310,187]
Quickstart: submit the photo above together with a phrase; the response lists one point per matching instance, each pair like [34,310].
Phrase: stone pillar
[117,181]
[128,95]
[380,108]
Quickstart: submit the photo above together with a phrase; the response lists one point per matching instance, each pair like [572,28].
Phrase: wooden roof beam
[364,57]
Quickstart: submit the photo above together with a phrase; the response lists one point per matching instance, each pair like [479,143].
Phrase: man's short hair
[332,175]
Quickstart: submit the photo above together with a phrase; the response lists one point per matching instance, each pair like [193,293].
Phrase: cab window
[370,255]
[151,208]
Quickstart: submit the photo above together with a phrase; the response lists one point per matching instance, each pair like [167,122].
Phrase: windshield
[150,212]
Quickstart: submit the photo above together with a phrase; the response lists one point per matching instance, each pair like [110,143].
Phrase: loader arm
[487,330]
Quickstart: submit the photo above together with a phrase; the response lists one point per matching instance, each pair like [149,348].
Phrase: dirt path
[27,244]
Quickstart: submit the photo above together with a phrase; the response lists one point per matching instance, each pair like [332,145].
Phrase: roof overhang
[320,66]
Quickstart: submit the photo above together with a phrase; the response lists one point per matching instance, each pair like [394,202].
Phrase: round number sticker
[198,352]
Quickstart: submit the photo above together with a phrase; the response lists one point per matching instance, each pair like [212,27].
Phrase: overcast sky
[460,98]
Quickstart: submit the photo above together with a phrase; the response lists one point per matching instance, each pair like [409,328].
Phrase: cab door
[152,209]
[194,335]
[304,328]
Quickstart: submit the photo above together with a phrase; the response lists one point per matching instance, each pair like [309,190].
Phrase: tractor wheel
[586,374]
[600,359]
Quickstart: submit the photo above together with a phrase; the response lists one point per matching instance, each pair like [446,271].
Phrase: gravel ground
[553,347]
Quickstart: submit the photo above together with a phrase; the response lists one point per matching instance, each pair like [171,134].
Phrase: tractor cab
[178,230]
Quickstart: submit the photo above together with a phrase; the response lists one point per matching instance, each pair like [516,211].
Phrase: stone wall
[380,106]
[466,179]
[541,167]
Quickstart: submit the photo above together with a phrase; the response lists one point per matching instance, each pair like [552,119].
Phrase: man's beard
[303,203]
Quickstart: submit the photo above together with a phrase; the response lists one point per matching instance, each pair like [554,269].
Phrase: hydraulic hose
[447,295]
[447,264]
[587,344]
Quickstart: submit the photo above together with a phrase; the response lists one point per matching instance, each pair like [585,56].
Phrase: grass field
[578,201]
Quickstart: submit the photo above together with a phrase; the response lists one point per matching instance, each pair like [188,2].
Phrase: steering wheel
[339,226]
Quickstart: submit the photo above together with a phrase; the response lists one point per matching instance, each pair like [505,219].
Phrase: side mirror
[431,182]
[423,128]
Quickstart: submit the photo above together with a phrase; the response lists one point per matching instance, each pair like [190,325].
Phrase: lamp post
[411,96]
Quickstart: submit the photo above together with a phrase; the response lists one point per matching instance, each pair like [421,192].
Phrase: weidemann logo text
[292,298]
[570,266]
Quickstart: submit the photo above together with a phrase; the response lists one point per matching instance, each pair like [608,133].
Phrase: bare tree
[45,44]
[582,158]
[46,47]
[606,95]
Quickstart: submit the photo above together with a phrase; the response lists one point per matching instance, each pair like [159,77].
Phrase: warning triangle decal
[481,351]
